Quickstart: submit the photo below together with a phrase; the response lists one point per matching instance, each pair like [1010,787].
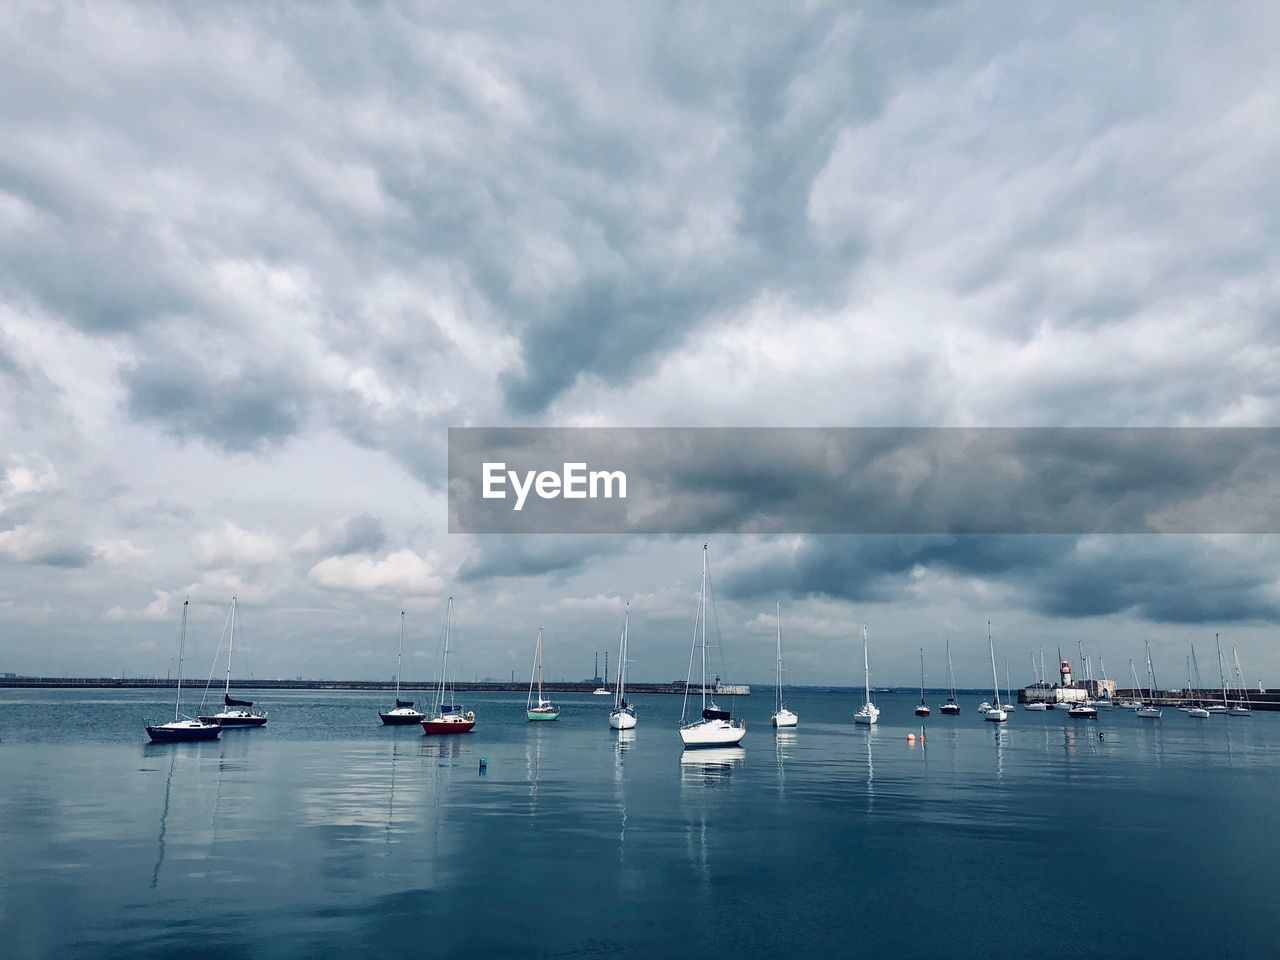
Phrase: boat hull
[995,716]
[401,719]
[713,733]
[536,714]
[1148,713]
[784,718]
[922,711]
[1240,712]
[183,734]
[225,722]
[950,709]
[1036,707]
[445,727]
[622,720]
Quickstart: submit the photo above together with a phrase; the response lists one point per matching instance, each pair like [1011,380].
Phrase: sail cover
[716,715]
[403,703]
[230,701]
[448,708]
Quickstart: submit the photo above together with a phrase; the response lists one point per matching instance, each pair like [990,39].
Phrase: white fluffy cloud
[230,543]
[402,573]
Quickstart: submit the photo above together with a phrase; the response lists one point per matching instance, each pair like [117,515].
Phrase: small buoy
[1101,735]
[911,738]
[484,765]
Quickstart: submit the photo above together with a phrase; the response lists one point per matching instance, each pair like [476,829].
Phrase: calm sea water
[326,834]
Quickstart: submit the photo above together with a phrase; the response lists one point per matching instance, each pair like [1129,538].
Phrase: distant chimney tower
[1065,672]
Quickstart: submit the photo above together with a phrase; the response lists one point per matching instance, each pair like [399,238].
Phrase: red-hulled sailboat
[448,717]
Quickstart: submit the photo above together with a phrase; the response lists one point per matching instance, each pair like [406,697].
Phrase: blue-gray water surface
[327,834]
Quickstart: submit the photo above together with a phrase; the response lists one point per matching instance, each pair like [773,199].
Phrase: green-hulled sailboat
[544,709]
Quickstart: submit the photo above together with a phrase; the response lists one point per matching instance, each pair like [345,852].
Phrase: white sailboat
[1149,710]
[623,714]
[1037,705]
[1241,707]
[603,690]
[403,714]
[234,713]
[1103,700]
[994,713]
[181,728]
[870,713]
[782,717]
[1194,708]
[714,727]
[545,709]
[951,708]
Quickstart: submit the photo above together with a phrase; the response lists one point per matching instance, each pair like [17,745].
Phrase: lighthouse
[1065,672]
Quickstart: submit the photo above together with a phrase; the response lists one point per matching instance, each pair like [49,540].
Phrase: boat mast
[444,660]
[1151,676]
[231,646]
[778,699]
[182,646]
[922,675]
[1222,677]
[995,682]
[539,666]
[702,605]
[951,677]
[866,664]
[619,697]
[1134,670]
[399,655]
[1043,678]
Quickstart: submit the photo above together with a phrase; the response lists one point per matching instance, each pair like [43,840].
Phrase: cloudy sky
[255,260]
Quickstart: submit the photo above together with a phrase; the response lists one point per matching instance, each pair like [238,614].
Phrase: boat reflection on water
[164,821]
[710,765]
[784,742]
[443,749]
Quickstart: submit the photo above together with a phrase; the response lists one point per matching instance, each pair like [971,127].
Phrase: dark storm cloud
[875,480]
[525,556]
[1161,579]
[244,411]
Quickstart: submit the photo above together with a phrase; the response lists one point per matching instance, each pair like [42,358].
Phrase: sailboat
[870,713]
[1148,710]
[922,708]
[448,716]
[623,714]
[234,713]
[714,727]
[782,717]
[950,708]
[1241,707]
[603,690]
[1103,699]
[994,713]
[1199,709]
[545,709]
[403,713]
[182,728]
[1222,677]
[1194,708]
[1037,705]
